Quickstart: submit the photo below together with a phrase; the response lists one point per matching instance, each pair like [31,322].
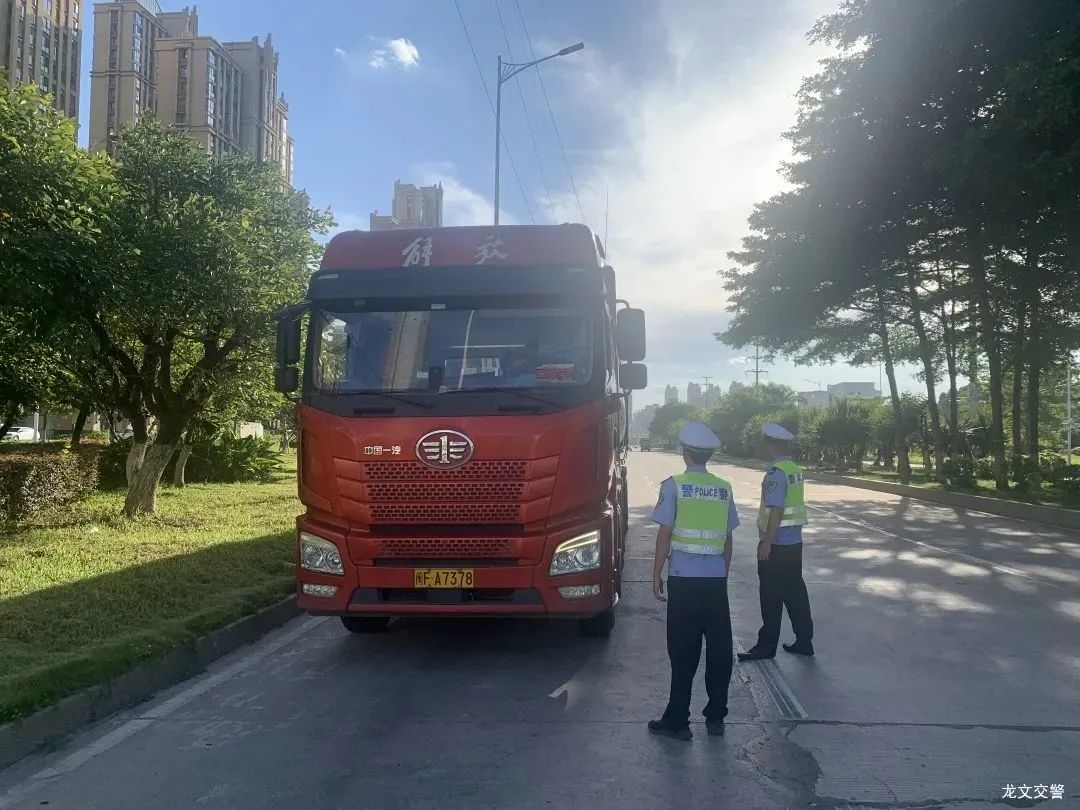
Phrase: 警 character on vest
[780,520]
[696,517]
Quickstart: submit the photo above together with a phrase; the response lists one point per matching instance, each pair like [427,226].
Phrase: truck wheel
[365,624]
[598,626]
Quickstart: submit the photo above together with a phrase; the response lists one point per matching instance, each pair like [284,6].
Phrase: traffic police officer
[780,520]
[696,515]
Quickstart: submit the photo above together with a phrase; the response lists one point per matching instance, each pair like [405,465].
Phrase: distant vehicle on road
[646,445]
[21,434]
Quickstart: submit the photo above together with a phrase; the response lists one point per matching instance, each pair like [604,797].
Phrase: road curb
[47,727]
[1017,510]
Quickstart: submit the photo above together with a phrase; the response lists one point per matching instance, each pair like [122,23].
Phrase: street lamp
[507,71]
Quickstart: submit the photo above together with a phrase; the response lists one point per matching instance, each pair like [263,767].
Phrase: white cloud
[462,205]
[701,143]
[399,52]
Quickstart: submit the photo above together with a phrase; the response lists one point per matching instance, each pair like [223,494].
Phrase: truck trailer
[463,425]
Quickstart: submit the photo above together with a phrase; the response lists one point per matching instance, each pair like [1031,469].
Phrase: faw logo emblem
[444,449]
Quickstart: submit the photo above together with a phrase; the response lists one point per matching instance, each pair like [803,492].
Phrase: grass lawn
[983,487]
[88,594]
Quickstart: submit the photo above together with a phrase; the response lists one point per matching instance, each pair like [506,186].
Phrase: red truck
[463,425]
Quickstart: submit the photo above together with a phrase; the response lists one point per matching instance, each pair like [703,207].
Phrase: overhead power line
[551,112]
[525,110]
[491,104]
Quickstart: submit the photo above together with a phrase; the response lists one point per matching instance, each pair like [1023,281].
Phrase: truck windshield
[440,350]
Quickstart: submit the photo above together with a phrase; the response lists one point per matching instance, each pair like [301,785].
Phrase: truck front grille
[380,471]
[423,548]
[445,513]
[482,491]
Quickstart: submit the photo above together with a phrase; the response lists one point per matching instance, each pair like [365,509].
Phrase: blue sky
[675,108]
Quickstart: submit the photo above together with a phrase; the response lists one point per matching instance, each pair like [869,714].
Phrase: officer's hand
[763,551]
[658,589]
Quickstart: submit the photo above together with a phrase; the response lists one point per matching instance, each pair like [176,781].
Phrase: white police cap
[697,436]
[771,430]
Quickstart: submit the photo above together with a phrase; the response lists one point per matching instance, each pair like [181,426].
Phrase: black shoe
[661,729]
[755,655]
[715,728]
[800,648]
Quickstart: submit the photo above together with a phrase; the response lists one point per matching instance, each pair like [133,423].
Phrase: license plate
[442,578]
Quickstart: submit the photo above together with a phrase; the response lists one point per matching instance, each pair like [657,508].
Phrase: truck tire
[365,624]
[598,626]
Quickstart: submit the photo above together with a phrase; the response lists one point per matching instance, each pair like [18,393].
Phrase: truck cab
[463,419]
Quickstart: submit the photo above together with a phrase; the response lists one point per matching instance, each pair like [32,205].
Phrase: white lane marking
[132,727]
[1004,569]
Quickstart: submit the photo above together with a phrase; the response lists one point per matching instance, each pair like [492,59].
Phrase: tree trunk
[989,338]
[948,338]
[900,444]
[142,489]
[135,458]
[138,445]
[1018,379]
[926,354]
[181,465]
[1035,350]
[80,423]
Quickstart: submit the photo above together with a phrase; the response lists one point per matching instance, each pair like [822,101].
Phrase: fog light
[579,591]
[321,591]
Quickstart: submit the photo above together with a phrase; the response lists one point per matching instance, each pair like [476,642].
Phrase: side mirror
[630,334]
[633,377]
[286,379]
[288,341]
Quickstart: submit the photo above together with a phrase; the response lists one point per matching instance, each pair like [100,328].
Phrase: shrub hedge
[43,477]
[221,459]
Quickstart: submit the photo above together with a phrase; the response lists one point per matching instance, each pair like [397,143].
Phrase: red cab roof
[501,245]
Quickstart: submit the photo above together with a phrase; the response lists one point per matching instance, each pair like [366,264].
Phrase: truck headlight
[581,553]
[319,555]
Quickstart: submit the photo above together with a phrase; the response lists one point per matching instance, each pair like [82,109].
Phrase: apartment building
[413,207]
[225,95]
[41,44]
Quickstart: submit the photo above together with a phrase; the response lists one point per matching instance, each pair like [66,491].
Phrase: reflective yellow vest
[794,503]
[701,516]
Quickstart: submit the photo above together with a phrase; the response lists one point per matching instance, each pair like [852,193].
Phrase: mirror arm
[291,313]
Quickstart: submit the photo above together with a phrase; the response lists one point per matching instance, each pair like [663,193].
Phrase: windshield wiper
[427,406]
[494,389]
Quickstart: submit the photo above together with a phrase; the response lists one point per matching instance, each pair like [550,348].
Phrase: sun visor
[454,283]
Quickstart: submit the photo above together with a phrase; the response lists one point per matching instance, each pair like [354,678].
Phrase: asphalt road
[948,667]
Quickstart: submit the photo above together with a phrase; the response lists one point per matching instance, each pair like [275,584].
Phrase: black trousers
[697,609]
[781,585]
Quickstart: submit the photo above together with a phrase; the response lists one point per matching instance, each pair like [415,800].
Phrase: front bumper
[385,588]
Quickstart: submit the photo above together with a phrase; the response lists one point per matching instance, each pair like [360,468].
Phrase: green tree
[201,251]
[845,432]
[53,204]
[740,405]
[669,414]
[26,373]
[934,190]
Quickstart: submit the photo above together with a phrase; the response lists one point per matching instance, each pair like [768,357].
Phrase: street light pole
[507,71]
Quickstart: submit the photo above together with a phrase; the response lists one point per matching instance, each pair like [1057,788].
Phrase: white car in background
[21,434]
